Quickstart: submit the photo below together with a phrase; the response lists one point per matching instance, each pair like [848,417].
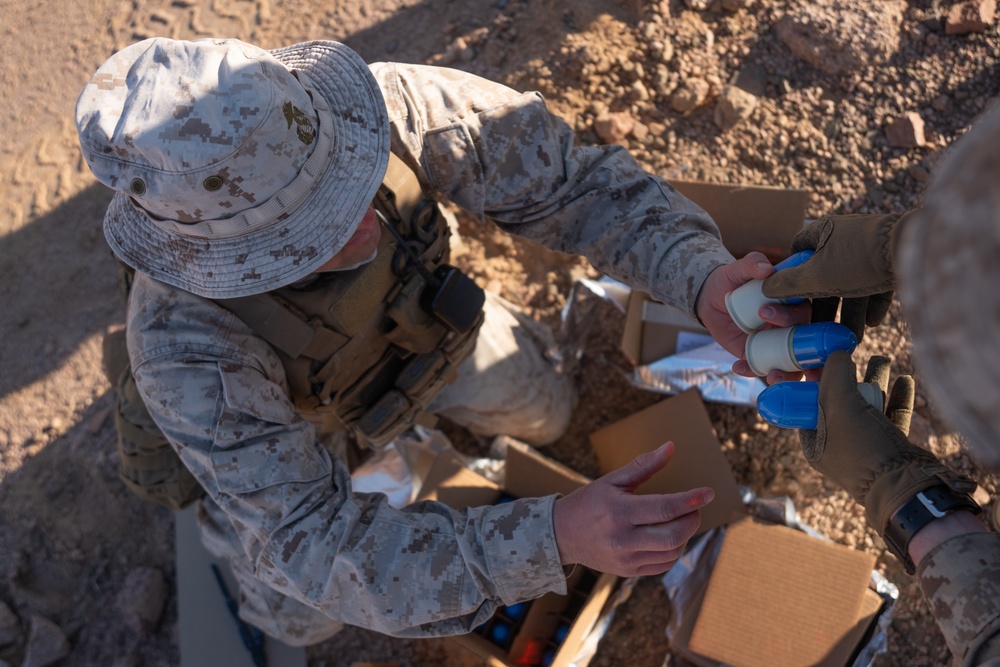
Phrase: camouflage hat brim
[314,216]
[949,264]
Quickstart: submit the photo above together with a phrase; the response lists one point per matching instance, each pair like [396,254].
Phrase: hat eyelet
[212,183]
[138,187]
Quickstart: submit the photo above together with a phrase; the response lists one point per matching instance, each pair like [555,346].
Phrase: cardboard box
[698,459]
[450,482]
[208,632]
[751,217]
[654,330]
[527,474]
[780,598]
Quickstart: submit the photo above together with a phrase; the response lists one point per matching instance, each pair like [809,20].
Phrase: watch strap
[927,505]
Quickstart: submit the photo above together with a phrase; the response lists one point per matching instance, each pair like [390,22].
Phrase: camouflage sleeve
[216,392]
[502,156]
[960,579]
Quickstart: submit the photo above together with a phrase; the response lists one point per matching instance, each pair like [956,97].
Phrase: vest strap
[282,328]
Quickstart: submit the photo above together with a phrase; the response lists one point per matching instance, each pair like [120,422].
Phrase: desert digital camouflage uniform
[311,554]
[949,267]
[960,579]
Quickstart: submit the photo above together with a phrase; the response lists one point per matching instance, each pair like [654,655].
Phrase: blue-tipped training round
[790,404]
[797,259]
[515,611]
[812,344]
[500,633]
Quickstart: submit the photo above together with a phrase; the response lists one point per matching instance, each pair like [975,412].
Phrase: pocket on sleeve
[259,438]
[454,167]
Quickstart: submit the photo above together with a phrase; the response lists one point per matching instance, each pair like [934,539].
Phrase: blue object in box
[500,633]
[515,611]
[561,633]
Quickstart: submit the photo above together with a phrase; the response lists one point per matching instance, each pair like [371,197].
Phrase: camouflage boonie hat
[950,288]
[237,170]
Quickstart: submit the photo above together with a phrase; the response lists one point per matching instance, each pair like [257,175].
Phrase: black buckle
[931,503]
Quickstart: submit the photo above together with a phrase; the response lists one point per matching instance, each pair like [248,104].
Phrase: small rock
[970,16]
[906,132]
[918,173]
[47,644]
[639,90]
[697,5]
[10,627]
[733,106]
[940,103]
[692,94]
[613,127]
[981,496]
[838,37]
[639,131]
[142,599]
[662,51]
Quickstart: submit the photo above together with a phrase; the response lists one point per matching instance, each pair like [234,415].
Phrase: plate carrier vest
[361,350]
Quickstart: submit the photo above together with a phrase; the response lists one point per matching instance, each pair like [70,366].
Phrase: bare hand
[711,304]
[608,528]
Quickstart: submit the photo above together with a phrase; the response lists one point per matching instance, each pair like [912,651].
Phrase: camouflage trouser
[507,386]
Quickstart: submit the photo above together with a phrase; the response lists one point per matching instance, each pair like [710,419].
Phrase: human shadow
[59,278]
[71,534]
[58,288]
[527,31]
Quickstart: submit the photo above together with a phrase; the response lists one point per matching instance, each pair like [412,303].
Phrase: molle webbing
[358,349]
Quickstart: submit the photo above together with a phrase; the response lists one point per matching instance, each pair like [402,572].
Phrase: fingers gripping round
[853,315]
[878,307]
[878,372]
[825,309]
[899,408]
[838,378]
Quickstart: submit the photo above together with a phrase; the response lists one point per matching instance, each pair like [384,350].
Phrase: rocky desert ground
[854,101]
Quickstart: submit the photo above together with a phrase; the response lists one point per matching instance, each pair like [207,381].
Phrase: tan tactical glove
[866,451]
[853,261]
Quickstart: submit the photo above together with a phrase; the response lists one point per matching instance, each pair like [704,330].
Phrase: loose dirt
[71,534]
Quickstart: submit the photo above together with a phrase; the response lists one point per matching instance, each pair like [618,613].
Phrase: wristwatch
[917,512]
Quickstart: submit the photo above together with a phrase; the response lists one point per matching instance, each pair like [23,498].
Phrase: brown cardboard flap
[585,620]
[542,619]
[751,217]
[456,486]
[780,598]
[698,459]
[652,329]
[487,653]
[841,654]
[529,474]
[632,334]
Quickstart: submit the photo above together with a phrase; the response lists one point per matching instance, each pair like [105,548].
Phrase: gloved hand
[853,261]
[865,451]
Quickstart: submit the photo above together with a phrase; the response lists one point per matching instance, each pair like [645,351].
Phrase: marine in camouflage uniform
[201,211]
[947,260]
